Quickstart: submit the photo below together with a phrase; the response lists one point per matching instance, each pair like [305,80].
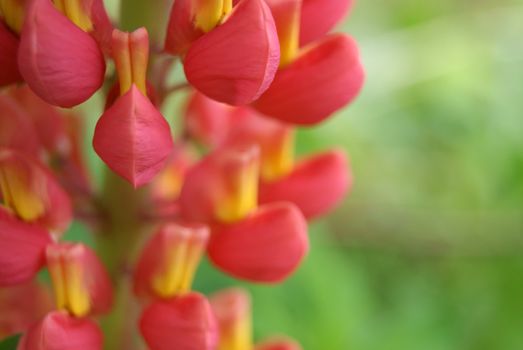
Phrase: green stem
[118,243]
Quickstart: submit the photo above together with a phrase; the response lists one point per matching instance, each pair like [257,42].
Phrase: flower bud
[181,323]
[232,308]
[169,260]
[32,193]
[59,331]
[265,247]
[59,61]
[80,283]
[23,249]
[223,187]
[133,138]
[316,185]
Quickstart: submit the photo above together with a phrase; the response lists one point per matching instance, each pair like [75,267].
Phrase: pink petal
[182,323]
[102,26]
[323,79]
[181,31]
[133,138]
[207,120]
[265,247]
[59,331]
[35,194]
[22,305]
[9,73]
[316,185]
[236,62]
[318,17]
[60,62]
[16,129]
[23,249]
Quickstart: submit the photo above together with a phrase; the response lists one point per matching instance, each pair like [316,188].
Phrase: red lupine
[229,185]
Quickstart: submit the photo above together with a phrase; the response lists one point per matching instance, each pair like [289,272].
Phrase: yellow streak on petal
[289,36]
[13,12]
[238,336]
[139,51]
[58,280]
[278,161]
[166,283]
[19,195]
[192,260]
[78,299]
[240,196]
[209,13]
[122,60]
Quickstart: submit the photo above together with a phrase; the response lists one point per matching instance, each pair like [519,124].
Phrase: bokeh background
[426,251]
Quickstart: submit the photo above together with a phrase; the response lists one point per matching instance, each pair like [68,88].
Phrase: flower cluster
[229,186]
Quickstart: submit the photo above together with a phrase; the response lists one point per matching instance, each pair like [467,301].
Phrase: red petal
[265,247]
[59,331]
[236,62]
[22,305]
[102,26]
[33,193]
[206,120]
[182,323]
[280,343]
[318,17]
[133,138]
[16,129]
[323,79]
[9,73]
[23,249]
[316,185]
[181,31]
[59,61]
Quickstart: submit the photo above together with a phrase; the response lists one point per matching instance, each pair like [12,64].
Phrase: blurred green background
[425,253]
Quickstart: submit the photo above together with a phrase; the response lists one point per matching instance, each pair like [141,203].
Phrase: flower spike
[23,249]
[81,284]
[181,323]
[266,247]
[169,261]
[59,331]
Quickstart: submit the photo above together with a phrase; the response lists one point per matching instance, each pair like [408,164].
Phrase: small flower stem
[118,243]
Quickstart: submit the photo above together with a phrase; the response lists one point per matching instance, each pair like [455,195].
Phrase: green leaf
[10,343]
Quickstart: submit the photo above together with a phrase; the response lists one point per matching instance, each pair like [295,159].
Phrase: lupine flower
[232,308]
[32,193]
[229,53]
[262,244]
[313,81]
[60,331]
[81,284]
[315,183]
[51,38]
[182,323]
[132,137]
